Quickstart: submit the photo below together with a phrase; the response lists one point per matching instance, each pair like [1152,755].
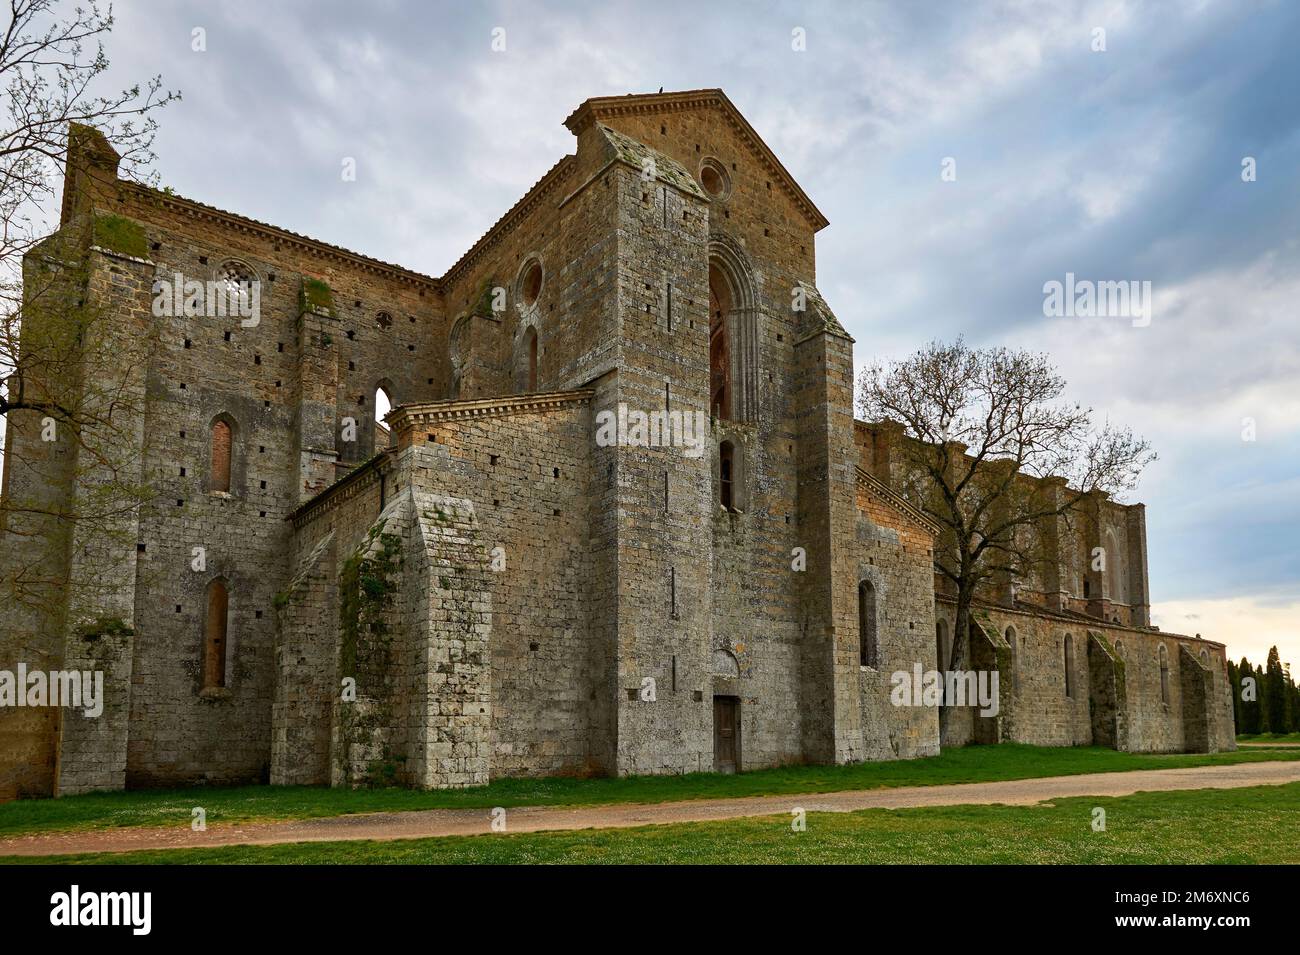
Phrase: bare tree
[57,371]
[985,445]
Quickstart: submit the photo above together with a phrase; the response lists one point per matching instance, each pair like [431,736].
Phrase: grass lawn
[1269,738]
[1253,825]
[170,807]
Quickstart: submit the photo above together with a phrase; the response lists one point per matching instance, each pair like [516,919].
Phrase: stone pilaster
[102,571]
[827,509]
[1139,588]
[318,381]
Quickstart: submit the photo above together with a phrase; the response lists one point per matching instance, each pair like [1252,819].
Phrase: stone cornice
[405,417]
[604,107]
[201,212]
[345,488]
[1079,621]
[888,495]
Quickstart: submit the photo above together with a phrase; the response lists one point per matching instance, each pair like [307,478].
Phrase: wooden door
[726,734]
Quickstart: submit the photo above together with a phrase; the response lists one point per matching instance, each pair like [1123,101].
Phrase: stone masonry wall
[1040,713]
[896,555]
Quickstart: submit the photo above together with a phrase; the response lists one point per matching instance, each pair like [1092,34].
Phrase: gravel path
[465,822]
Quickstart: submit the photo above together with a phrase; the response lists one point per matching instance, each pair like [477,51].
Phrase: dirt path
[465,822]
[1266,745]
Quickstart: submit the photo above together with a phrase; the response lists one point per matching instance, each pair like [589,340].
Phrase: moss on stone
[104,626]
[365,591]
[483,301]
[316,296]
[119,234]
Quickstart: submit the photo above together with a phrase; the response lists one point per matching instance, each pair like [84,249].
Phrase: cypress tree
[1235,691]
[1249,708]
[1275,698]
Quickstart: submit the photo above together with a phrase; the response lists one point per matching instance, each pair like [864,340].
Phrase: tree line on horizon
[1275,707]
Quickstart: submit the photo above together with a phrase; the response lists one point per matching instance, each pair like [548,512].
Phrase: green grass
[171,807]
[1217,826]
[1269,738]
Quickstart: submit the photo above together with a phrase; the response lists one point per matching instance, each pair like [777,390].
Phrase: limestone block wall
[663,493]
[1116,697]
[307,682]
[34,544]
[896,555]
[248,374]
[482,664]
[325,534]
[756,623]
[101,617]
[525,468]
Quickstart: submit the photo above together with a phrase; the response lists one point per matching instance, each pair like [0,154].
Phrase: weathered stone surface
[510,595]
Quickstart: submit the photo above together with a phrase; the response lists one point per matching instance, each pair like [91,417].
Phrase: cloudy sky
[1115,164]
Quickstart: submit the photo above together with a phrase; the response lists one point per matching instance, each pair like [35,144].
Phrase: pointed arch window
[719,346]
[727,475]
[383,405]
[530,355]
[222,453]
[1069,666]
[215,633]
[868,637]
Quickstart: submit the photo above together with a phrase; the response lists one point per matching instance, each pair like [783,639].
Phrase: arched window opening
[1119,649]
[720,305]
[1069,666]
[530,283]
[214,636]
[868,638]
[1205,657]
[458,349]
[530,346]
[1164,674]
[222,451]
[383,405]
[941,649]
[727,475]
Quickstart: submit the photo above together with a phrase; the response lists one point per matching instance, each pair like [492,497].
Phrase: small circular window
[714,179]
[235,276]
[530,283]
